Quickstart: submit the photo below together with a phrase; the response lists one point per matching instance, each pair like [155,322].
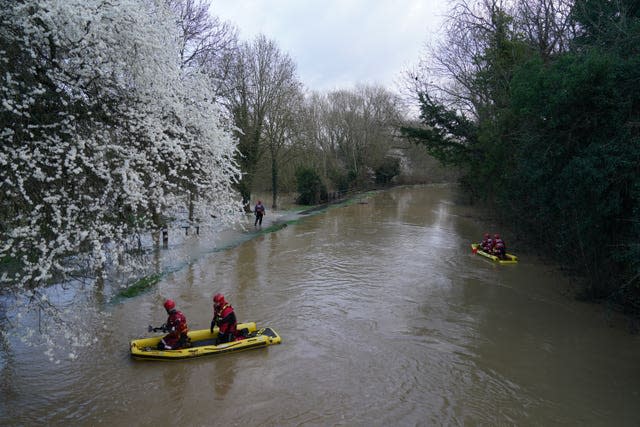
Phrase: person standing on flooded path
[259,211]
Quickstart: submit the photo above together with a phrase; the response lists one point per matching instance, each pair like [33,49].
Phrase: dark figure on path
[259,211]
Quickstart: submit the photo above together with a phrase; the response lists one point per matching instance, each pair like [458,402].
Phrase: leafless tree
[206,43]
[203,35]
[448,71]
[545,24]
[260,86]
[282,131]
[352,130]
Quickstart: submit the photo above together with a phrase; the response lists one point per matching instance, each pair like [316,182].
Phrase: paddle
[162,328]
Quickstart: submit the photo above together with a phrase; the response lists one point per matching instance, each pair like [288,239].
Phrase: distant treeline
[542,113]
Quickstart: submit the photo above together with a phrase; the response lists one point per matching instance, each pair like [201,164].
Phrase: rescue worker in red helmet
[176,326]
[486,242]
[224,318]
[499,248]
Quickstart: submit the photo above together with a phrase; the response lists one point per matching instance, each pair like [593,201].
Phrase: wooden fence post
[165,237]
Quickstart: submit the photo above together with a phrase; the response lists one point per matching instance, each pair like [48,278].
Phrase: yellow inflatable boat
[510,259]
[203,344]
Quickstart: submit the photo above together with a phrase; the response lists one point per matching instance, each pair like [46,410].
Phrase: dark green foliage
[608,25]
[311,190]
[342,182]
[557,147]
[447,135]
[577,162]
[389,168]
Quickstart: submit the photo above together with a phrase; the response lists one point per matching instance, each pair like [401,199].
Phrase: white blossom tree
[102,134]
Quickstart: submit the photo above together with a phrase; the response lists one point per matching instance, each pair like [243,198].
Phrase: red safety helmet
[218,299]
[169,305]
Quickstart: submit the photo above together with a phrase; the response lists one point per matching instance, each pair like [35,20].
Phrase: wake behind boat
[203,344]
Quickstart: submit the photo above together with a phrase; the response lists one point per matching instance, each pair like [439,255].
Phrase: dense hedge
[575,180]
[559,152]
[311,189]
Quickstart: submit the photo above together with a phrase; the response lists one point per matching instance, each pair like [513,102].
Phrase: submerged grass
[140,286]
[278,226]
[144,284]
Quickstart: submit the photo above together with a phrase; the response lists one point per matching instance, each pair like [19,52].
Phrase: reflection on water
[386,318]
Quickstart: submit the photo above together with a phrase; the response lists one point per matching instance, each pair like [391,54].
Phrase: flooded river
[387,318]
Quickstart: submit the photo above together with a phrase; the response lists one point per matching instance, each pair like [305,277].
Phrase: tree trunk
[191,206]
[274,181]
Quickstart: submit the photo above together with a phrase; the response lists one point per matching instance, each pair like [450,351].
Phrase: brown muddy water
[387,318]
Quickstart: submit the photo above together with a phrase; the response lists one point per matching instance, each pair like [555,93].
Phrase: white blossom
[101,133]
